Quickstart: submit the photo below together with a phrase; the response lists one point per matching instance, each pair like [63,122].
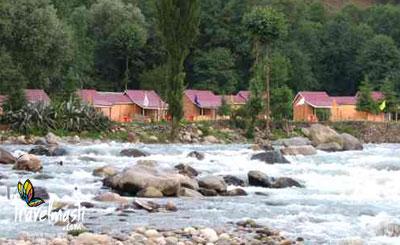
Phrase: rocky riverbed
[322,198]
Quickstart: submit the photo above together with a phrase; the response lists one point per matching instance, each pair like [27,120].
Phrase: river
[347,195]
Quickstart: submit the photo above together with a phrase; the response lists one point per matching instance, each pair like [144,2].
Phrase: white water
[348,195]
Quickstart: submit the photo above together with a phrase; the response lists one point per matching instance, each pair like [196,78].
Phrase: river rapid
[348,196]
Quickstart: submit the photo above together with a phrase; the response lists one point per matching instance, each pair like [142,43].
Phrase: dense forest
[112,44]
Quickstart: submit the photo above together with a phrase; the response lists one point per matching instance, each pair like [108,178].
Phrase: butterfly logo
[27,193]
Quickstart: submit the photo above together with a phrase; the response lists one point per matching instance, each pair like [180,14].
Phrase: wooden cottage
[238,100]
[32,96]
[148,105]
[132,105]
[115,105]
[339,108]
[200,105]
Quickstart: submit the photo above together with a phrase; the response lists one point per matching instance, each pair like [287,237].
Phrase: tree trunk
[126,76]
[267,88]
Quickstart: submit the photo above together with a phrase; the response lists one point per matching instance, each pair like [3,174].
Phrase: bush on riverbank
[70,116]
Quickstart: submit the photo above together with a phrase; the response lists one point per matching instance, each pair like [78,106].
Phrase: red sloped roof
[36,95]
[242,97]
[315,99]
[203,98]
[113,97]
[32,96]
[147,99]
[91,96]
[345,100]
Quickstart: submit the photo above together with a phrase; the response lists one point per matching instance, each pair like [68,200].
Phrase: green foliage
[38,42]
[365,102]
[178,22]
[281,103]
[391,97]
[266,24]
[323,115]
[379,58]
[69,116]
[215,70]
[225,108]
[155,79]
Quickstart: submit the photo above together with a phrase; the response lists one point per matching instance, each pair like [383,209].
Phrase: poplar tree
[266,26]
[178,22]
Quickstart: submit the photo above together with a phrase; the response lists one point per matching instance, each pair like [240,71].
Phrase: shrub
[71,116]
[323,114]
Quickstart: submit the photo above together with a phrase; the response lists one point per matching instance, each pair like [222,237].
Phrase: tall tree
[215,70]
[379,58]
[178,22]
[38,41]
[267,26]
[120,31]
[365,101]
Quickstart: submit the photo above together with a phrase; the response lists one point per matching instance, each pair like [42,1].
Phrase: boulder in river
[42,150]
[213,182]
[111,197]
[196,154]
[270,157]
[28,162]
[186,192]
[136,178]
[105,171]
[305,150]
[258,178]
[351,143]
[208,192]
[150,192]
[296,141]
[6,157]
[92,239]
[233,180]
[236,192]
[330,147]
[133,153]
[320,134]
[52,139]
[187,170]
[285,182]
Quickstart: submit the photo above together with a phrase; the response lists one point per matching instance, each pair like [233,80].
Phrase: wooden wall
[350,113]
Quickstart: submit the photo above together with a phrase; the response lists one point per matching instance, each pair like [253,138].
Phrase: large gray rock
[48,151]
[330,147]
[187,170]
[6,157]
[213,182]
[186,192]
[133,153]
[28,162]
[196,154]
[136,178]
[285,182]
[258,178]
[320,134]
[150,192]
[351,143]
[296,141]
[270,157]
[305,150]
[52,139]
[233,180]
[106,171]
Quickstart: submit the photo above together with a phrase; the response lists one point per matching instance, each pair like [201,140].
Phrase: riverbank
[246,232]
[220,132]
